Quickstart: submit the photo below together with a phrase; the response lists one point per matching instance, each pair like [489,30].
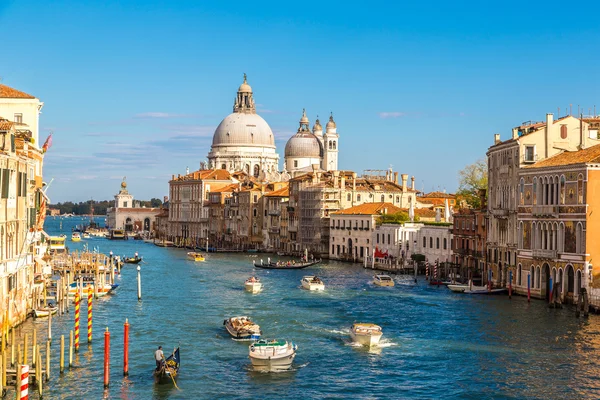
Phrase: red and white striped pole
[426,270]
[126,348]
[24,389]
[435,270]
[106,358]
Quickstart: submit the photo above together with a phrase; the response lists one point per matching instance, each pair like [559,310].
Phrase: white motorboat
[253,285]
[272,355]
[44,311]
[458,288]
[383,280]
[310,282]
[242,328]
[366,334]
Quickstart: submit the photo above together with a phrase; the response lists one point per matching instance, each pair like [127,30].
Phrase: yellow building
[558,225]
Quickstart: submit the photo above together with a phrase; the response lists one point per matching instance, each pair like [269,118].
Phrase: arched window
[521,191]
[562,189]
[563,131]
[532,279]
[424,242]
[382,198]
[295,163]
[519,271]
[256,171]
[330,145]
[255,212]
[349,197]
[397,199]
[580,189]
[437,243]
[223,166]
[534,190]
[358,197]
[538,278]
[334,144]
[431,243]
[445,243]
[579,239]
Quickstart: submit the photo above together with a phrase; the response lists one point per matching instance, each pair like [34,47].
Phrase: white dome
[303,144]
[243,129]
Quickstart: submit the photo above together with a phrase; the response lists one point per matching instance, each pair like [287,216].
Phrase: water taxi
[253,285]
[242,328]
[102,290]
[57,244]
[383,280]
[366,334]
[192,255]
[310,282]
[75,237]
[272,355]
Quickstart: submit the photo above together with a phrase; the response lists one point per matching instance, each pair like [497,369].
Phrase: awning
[45,196]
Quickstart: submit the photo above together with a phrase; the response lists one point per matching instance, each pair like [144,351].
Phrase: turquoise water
[436,344]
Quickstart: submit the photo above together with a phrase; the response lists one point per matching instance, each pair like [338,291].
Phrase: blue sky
[136,89]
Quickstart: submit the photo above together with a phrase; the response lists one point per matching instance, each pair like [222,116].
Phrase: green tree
[471,179]
[396,218]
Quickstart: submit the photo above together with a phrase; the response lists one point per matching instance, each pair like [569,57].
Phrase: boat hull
[273,363]
[253,287]
[242,334]
[285,266]
[384,283]
[366,339]
[458,288]
[313,286]
[44,312]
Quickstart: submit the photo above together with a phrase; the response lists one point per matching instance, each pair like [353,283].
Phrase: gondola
[285,265]
[169,370]
[132,260]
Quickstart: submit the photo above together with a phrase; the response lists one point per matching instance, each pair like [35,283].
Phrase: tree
[471,179]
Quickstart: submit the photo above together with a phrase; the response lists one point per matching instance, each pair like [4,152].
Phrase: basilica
[243,141]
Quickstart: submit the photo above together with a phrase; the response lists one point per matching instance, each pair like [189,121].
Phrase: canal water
[436,344]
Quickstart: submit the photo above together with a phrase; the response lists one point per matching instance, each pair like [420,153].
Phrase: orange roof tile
[370,209]
[6,125]
[225,189]
[283,192]
[10,93]
[589,155]
[439,195]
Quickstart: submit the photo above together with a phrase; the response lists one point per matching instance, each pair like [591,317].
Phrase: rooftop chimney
[548,131]
[404,181]
[343,183]
[354,181]
[515,133]
[336,175]
[396,178]
[496,138]
[412,183]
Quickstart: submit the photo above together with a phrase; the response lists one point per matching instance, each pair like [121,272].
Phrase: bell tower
[330,144]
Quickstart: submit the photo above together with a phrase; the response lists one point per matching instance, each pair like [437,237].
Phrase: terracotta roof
[441,195]
[589,155]
[10,93]
[370,209]
[206,174]
[283,192]
[226,188]
[6,125]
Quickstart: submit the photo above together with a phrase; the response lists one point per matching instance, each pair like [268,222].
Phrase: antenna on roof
[558,115]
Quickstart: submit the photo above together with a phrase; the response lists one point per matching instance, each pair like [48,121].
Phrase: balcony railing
[276,213]
[545,211]
[546,254]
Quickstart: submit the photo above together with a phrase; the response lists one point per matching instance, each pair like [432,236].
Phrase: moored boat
[311,282]
[272,355]
[117,234]
[103,290]
[458,288]
[57,244]
[86,235]
[44,311]
[284,264]
[242,328]
[75,237]
[169,369]
[383,280]
[192,255]
[253,285]
[366,334]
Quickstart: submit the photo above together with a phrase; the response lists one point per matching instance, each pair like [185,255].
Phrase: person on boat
[159,357]
[136,255]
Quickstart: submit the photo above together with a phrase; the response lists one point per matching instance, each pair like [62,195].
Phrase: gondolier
[159,356]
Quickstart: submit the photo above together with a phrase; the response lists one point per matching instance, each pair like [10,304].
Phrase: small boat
[272,355]
[102,291]
[117,234]
[485,290]
[458,288]
[366,334]
[86,235]
[132,260]
[310,282]
[75,237]
[383,280]
[169,369]
[44,311]
[57,244]
[253,285]
[285,264]
[242,328]
[192,255]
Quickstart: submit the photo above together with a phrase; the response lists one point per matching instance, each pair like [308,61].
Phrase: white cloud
[392,114]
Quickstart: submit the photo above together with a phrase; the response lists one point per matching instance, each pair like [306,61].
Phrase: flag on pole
[48,143]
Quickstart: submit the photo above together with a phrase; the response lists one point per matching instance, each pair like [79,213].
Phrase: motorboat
[57,244]
[253,285]
[117,234]
[44,311]
[383,280]
[457,288]
[75,237]
[310,282]
[272,355]
[86,235]
[242,328]
[366,334]
[192,255]
[102,290]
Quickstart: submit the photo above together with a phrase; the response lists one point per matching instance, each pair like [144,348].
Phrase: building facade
[129,216]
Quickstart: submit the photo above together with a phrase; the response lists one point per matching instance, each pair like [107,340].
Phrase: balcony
[500,212]
[544,211]
[275,213]
[273,230]
[544,254]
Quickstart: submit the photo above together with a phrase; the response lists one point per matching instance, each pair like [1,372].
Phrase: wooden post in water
[47,360]
[2,359]
[40,374]
[126,348]
[18,381]
[139,282]
[529,287]
[26,349]
[50,326]
[5,366]
[70,349]
[34,348]
[106,358]
[62,354]
[12,347]
[510,284]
